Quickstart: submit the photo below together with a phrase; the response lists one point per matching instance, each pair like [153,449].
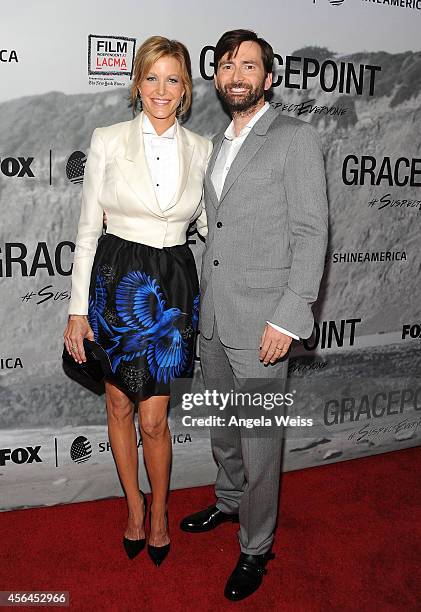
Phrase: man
[265,197]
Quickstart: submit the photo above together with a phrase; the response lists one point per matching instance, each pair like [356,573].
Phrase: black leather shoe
[247,576]
[134,547]
[206,520]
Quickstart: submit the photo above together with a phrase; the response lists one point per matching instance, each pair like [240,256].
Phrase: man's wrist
[283,330]
[73,317]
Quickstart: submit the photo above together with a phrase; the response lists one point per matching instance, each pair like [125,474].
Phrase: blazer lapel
[253,142]
[208,180]
[185,154]
[134,168]
[249,148]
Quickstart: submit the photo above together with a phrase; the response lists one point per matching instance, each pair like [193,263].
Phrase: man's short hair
[230,41]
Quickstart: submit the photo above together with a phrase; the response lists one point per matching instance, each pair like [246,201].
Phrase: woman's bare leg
[122,436]
[157,452]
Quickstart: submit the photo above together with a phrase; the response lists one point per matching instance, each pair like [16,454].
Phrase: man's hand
[273,345]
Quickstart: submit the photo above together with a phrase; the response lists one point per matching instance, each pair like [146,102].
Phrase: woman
[135,290]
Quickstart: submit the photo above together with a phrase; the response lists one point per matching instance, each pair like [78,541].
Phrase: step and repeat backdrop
[353,69]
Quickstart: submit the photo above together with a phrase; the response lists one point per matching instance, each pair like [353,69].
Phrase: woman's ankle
[135,506]
[159,507]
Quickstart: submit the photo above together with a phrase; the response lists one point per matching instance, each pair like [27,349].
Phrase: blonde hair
[152,50]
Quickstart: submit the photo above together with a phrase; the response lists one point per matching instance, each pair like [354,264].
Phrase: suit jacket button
[219,224]
[216,262]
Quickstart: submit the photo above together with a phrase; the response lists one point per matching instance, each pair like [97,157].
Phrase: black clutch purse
[91,373]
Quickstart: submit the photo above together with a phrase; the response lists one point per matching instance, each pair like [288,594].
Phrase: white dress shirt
[227,153]
[162,157]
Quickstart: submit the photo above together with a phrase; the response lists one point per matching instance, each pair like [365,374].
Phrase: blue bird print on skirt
[195,315]
[149,328]
[96,305]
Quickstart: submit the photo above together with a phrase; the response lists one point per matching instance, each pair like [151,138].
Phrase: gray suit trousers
[248,467]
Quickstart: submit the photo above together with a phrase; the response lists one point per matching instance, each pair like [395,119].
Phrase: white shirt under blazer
[117,180]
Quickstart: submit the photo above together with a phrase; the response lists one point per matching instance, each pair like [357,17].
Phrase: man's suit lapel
[134,168]
[248,150]
[210,189]
[253,142]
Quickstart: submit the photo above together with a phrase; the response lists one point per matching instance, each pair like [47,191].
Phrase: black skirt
[144,310]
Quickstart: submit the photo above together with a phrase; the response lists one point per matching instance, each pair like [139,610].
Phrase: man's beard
[241,104]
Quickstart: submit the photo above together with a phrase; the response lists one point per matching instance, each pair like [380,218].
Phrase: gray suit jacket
[267,235]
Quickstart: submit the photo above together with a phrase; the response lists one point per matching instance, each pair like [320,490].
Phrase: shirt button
[227,167]
[216,262]
[219,224]
[157,158]
[157,185]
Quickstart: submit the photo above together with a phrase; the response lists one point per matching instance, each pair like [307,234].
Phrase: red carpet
[348,540]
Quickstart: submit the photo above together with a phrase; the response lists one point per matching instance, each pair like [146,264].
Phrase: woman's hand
[76,330]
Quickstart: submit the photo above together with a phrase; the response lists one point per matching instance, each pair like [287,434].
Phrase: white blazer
[117,181]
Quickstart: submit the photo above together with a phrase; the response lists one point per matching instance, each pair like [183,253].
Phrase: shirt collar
[148,128]
[229,132]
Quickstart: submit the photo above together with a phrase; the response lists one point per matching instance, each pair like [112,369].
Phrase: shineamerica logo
[81,449]
[368,256]
[411,4]
[75,167]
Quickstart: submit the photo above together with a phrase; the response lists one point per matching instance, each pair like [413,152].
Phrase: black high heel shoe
[158,553]
[134,547]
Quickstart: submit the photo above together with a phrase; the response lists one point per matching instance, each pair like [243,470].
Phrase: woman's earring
[139,97]
[180,106]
